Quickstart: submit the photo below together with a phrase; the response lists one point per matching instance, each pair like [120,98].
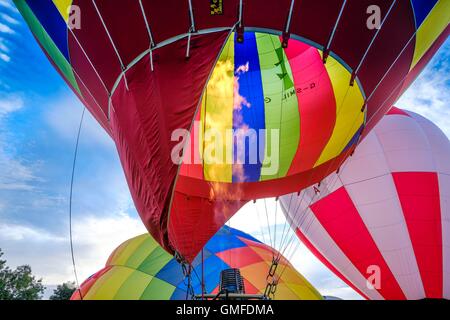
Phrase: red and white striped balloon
[382,223]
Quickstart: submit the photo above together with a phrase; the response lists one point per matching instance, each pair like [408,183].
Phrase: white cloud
[15,174]
[6,29]
[3,46]
[101,199]
[5,57]
[429,95]
[4,86]
[95,238]
[7,18]
[8,4]
[49,254]
[4,51]
[63,116]
[14,232]
[10,103]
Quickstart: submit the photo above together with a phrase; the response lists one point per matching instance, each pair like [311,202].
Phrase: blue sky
[39,116]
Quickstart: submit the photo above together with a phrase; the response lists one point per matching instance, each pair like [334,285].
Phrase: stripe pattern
[386,212]
[50,29]
[139,269]
[432,17]
[258,90]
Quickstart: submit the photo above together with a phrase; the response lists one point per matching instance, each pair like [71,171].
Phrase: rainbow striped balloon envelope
[139,269]
[275,111]
[304,82]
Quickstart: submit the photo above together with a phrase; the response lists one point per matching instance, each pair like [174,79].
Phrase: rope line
[70,203]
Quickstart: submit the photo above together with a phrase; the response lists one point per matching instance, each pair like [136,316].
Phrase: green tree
[19,284]
[63,291]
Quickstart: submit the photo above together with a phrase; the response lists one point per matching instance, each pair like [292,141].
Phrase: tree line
[21,284]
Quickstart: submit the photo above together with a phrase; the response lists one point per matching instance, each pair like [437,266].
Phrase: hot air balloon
[140,269]
[314,72]
[382,223]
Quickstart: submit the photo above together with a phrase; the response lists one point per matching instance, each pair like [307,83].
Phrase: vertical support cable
[326,49]
[149,32]
[90,62]
[70,203]
[191,15]
[240,28]
[384,76]
[87,89]
[191,29]
[110,106]
[95,71]
[355,72]
[122,66]
[151,59]
[389,69]
[240,14]
[286,34]
[188,47]
[288,23]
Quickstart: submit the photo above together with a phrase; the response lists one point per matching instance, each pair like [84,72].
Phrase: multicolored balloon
[145,70]
[382,223]
[139,269]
